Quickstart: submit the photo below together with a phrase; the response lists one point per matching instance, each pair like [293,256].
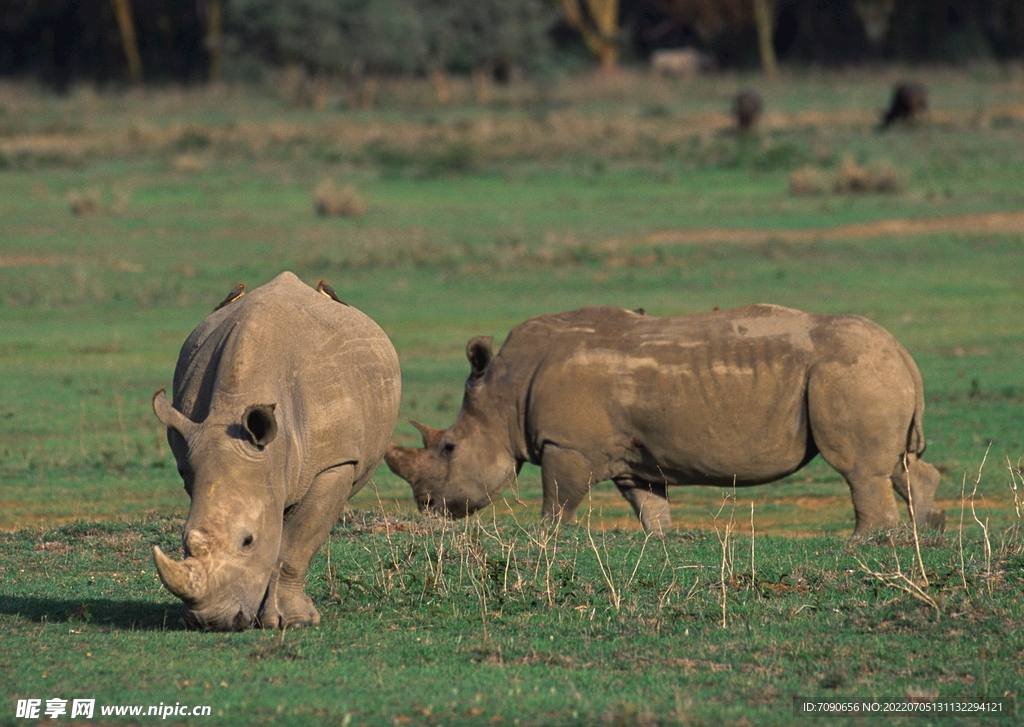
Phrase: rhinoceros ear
[479,353]
[260,424]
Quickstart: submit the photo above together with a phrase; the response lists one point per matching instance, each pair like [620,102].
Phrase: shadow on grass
[121,615]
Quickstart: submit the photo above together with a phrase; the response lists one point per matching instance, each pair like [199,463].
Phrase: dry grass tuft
[86,202]
[331,201]
[96,202]
[808,181]
[189,162]
[851,178]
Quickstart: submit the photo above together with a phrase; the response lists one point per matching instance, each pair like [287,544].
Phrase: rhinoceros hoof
[936,519]
[299,613]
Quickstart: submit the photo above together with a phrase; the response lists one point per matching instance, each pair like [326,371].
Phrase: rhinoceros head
[464,468]
[232,536]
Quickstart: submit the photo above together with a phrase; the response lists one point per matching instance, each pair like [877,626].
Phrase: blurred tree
[214,40]
[488,39]
[495,35]
[344,37]
[597,22]
[61,42]
[764,20]
[355,39]
[712,20]
[126,26]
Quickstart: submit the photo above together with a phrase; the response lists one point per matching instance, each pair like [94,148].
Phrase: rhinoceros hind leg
[873,503]
[859,424]
[916,482]
[567,477]
[650,503]
[286,605]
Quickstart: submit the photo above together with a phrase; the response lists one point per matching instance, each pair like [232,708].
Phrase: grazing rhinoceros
[743,396]
[284,402]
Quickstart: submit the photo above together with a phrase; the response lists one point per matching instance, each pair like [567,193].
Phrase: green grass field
[125,218]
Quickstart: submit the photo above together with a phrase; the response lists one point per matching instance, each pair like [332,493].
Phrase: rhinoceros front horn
[186,580]
[403,461]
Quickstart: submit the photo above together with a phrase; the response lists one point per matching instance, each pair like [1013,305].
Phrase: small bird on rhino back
[237,292]
[324,288]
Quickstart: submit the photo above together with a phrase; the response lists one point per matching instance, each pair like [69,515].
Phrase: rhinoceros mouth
[455,509]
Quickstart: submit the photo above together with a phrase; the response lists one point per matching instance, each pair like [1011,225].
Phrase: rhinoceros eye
[447,448]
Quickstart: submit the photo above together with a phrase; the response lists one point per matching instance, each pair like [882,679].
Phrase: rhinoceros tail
[915,434]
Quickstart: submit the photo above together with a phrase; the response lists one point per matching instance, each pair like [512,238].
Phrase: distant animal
[325,289]
[283,406]
[909,103]
[730,398]
[747,109]
[683,63]
[237,292]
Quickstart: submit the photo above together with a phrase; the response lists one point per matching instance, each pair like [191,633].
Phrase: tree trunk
[598,27]
[214,37]
[764,18]
[129,41]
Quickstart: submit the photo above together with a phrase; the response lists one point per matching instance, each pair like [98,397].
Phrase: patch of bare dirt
[1006,223]
[11,261]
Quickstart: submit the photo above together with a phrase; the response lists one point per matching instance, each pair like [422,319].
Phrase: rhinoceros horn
[171,417]
[405,461]
[186,580]
[431,436]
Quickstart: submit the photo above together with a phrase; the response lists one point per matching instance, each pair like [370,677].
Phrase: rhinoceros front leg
[286,604]
[650,503]
[567,477]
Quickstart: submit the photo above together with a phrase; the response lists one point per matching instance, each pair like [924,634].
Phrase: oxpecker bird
[237,292]
[327,290]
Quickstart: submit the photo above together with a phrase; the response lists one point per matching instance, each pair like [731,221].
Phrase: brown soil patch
[1003,223]
[13,261]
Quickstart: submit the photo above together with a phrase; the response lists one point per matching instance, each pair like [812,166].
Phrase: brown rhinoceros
[733,397]
[284,402]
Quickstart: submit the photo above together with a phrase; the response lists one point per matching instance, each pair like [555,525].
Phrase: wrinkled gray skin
[284,402]
[743,396]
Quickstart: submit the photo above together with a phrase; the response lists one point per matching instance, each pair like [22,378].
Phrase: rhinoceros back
[331,371]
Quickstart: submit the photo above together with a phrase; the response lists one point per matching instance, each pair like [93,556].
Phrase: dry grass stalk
[913,521]
[331,201]
[613,593]
[1016,472]
[899,579]
[983,525]
[726,565]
